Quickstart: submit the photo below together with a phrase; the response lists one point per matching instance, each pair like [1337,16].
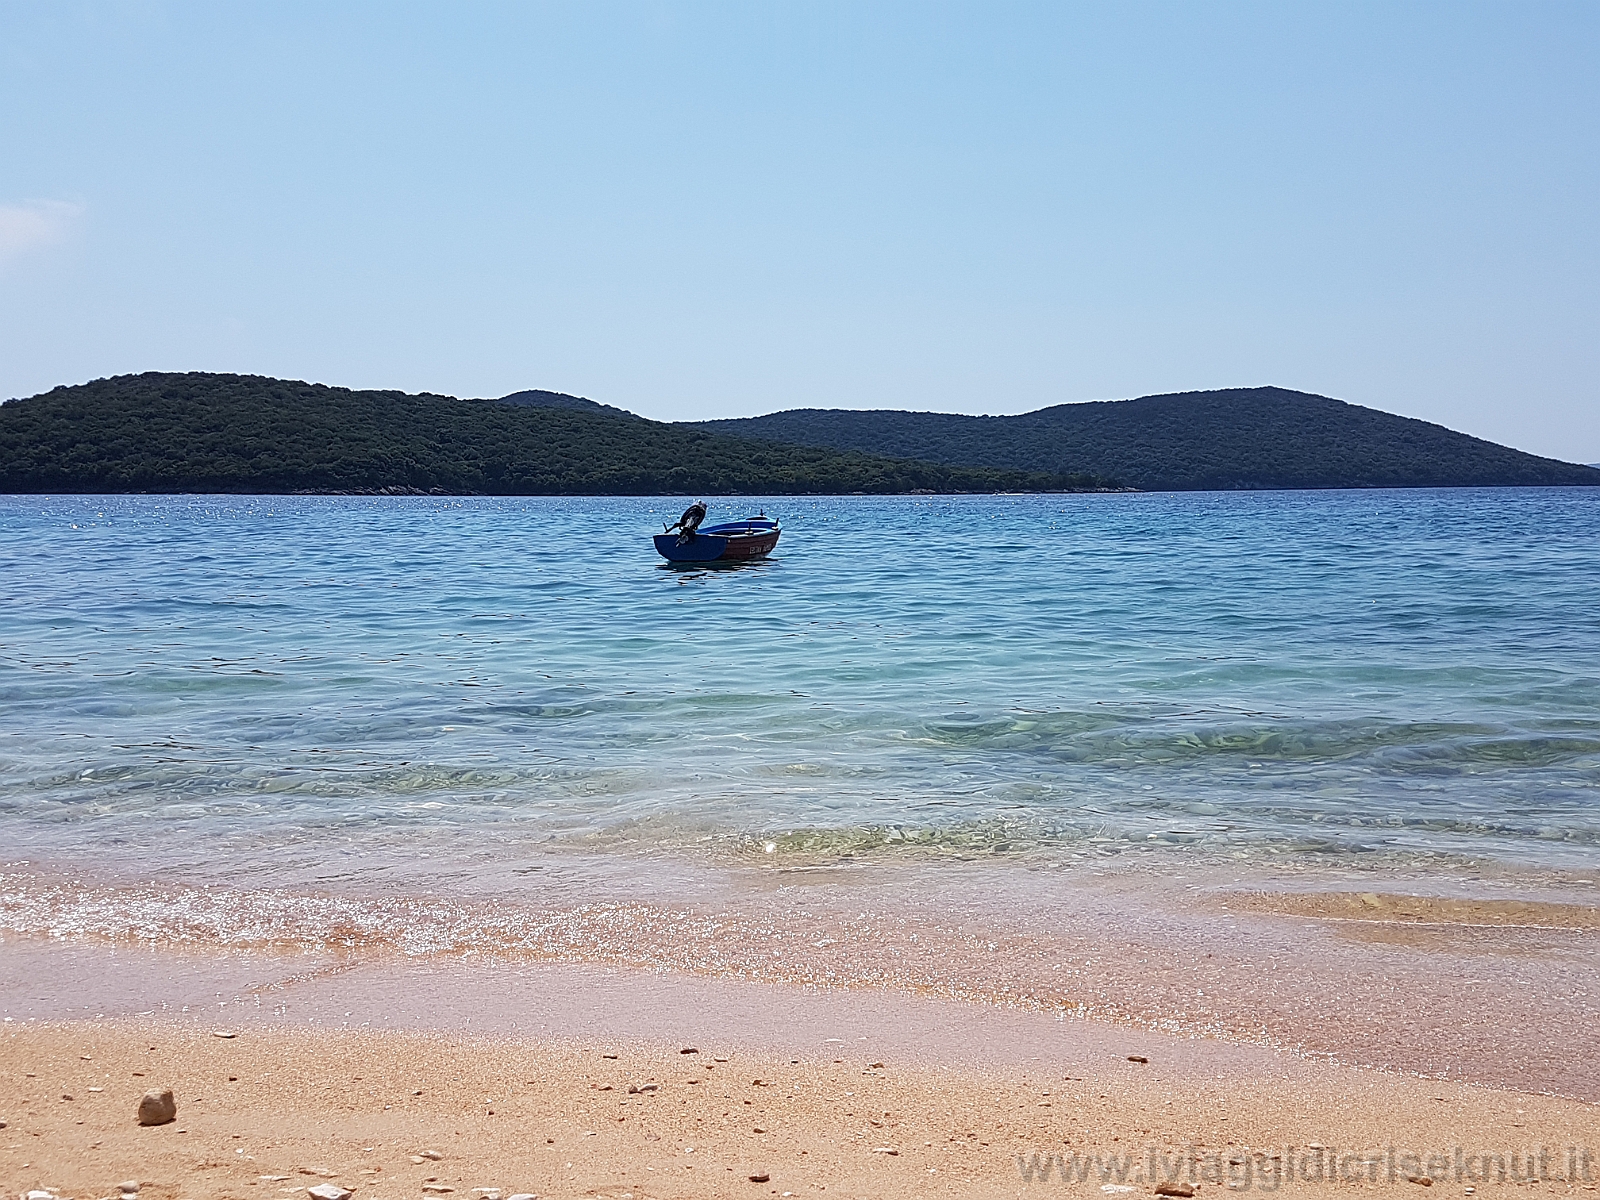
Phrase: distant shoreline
[417,493]
[240,434]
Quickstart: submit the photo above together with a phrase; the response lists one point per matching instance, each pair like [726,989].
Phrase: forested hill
[1237,438]
[244,433]
[537,398]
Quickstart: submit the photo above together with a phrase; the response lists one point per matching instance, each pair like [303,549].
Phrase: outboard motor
[689,522]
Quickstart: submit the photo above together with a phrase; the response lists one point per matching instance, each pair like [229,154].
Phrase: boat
[732,541]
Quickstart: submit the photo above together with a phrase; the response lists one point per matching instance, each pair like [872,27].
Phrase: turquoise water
[1335,675]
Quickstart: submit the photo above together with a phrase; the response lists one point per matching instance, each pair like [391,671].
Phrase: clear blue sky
[703,210]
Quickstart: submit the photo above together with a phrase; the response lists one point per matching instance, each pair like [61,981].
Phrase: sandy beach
[913,1107]
[350,1062]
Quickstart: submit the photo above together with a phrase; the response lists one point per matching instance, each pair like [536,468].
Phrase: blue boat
[732,541]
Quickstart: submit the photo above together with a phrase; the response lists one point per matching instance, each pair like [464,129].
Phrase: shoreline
[919,1030]
[1488,980]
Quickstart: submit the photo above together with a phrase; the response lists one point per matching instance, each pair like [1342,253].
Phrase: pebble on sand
[1137,1058]
[761,1178]
[1424,1180]
[127,1186]
[328,1191]
[523,1196]
[1174,1189]
[225,1033]
[157,1108]
[430,1155]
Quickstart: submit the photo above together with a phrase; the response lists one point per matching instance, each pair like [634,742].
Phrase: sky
[698,210]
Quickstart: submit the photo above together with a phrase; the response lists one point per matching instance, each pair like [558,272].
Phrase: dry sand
[844,1094]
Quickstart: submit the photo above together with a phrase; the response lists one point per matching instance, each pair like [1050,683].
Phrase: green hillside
[245,433]
[539,398]
[1238,438]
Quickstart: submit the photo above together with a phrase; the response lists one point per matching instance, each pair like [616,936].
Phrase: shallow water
[1410,677]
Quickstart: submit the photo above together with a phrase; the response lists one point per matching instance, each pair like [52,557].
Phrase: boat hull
[713,547]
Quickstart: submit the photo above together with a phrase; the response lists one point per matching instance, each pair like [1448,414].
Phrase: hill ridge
[212,432]
[540,398]
[1216,439]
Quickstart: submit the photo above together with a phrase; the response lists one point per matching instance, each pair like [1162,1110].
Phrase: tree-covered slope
[244,433]
[1238,438]
[539,398]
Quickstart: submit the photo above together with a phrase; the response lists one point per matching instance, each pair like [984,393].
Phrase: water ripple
[1338,673]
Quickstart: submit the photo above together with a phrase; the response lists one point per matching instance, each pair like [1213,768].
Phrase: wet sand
[1482,979]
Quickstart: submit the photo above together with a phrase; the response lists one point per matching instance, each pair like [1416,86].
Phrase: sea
[1407,675]
[1314,769]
